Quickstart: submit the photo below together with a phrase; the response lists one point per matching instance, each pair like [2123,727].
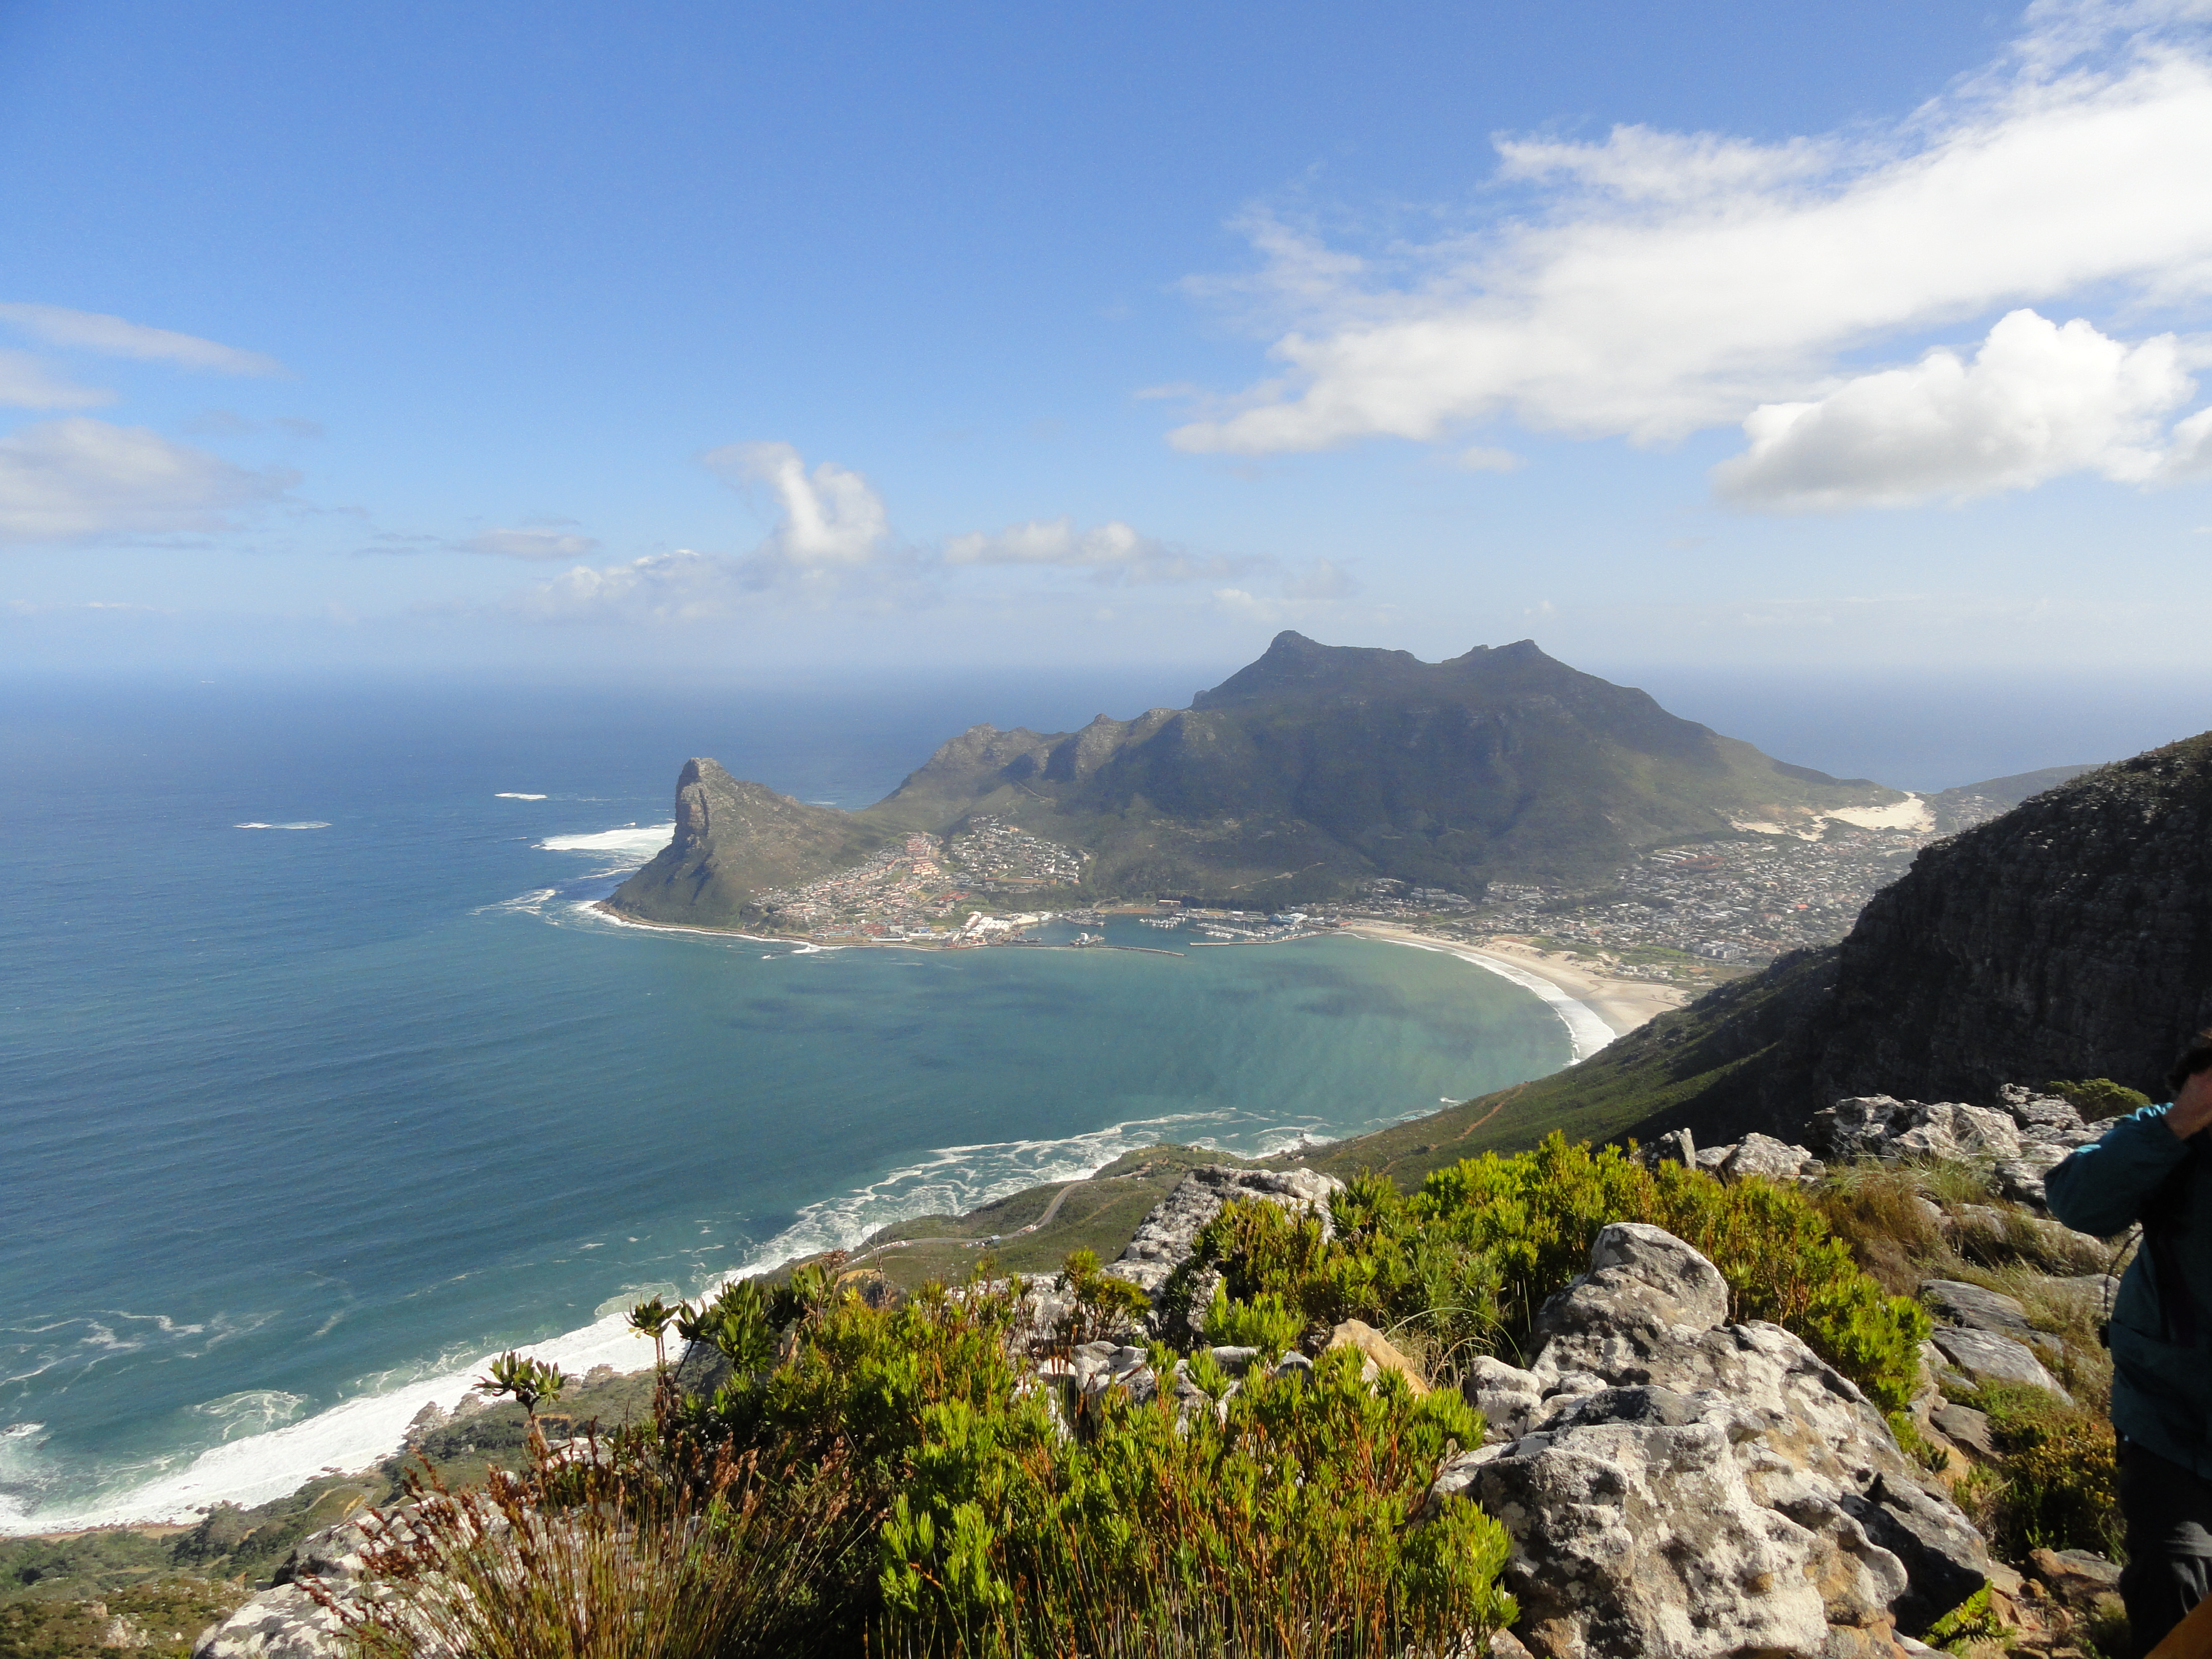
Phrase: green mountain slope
[1310,772]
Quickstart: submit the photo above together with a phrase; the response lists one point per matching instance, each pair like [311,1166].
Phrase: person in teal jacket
[2154,1167]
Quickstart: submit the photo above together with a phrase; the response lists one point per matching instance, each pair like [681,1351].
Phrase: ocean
[321,1082]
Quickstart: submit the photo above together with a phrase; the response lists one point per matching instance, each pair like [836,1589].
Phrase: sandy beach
[1621,1004]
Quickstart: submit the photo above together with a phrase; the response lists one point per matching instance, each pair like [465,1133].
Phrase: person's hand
[2192,1106]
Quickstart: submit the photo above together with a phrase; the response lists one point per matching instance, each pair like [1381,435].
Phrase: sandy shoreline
[1622,1004]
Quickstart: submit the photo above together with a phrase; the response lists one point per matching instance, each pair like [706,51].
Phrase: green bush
[1464,1263]
[1276,1522]
[1263,1323]
[2055,1484]
[2099,1097]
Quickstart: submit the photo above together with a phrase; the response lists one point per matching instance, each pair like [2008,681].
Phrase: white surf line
[597,909]
[1586,1032]
[353,1434]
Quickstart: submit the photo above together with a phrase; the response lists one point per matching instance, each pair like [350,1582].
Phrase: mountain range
[1305,776]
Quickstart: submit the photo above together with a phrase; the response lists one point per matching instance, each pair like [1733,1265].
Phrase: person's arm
[2101,1187]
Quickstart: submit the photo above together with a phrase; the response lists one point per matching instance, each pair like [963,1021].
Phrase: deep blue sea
[319,1084]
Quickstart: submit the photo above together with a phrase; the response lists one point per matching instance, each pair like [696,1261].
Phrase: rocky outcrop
[1163,1239]
[1755,1155]
[2022,1140]
[289,1621]
[1679,1487]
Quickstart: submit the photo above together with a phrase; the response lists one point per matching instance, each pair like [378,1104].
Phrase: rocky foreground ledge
[1676,1486]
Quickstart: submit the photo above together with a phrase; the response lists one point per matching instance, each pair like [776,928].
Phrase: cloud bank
[82,480]
[1113,553]
[27,383]
[530,544]
[1660,284]
[832,543]
[114,336]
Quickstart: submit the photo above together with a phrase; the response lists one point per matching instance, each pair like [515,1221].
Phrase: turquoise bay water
[303,1121]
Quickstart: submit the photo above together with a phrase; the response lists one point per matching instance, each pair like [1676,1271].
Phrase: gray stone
[1676,1147]
[1965,1426]
[1163,1239]
[2032,1111]
[1710,1158]
[1923,1531]
[1986,1357]
[1507,1397]
[1639,1271]
[287,1621]
[1856,1129]
[1777,1160]
[1646,1540]
[283,1623]
[2021,1179]
[1959,1303]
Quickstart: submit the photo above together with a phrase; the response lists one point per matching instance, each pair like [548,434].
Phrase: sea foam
[643,840]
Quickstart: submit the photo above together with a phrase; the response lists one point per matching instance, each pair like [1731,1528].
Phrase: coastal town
[1688,915]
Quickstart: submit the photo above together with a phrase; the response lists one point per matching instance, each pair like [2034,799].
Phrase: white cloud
[1663,283]
[27,383]
[2190,455]
[1477,459]
[79,479]
[2037,401]
[831,518]
[1112,552]
[530,544]
[114,336]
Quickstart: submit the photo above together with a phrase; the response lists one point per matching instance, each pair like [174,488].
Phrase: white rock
[1689,1488]
[1777,1160]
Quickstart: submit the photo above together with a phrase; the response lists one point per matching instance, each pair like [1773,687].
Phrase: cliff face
[2070,938]
[734,840]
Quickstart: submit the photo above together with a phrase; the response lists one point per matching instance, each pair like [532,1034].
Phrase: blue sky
[570,340]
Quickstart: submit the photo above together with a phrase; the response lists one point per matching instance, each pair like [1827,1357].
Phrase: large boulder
[1680,1487]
